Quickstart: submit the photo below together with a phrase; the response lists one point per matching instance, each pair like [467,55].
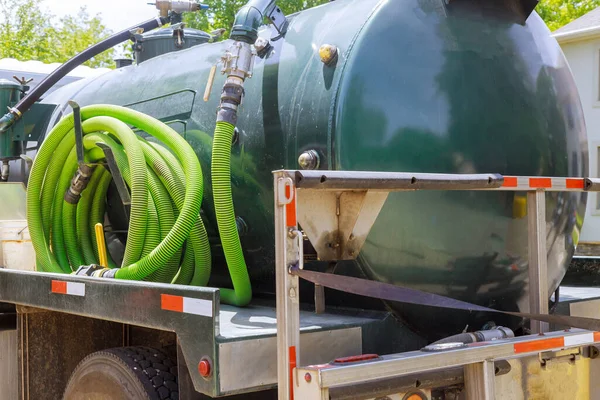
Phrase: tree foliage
[557,13]
[222,13]
[29,33]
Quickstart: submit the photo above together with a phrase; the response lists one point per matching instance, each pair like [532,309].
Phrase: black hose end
[227,115]
[79,183]
[88,270]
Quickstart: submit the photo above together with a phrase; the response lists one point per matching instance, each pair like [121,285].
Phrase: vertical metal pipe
[538,258]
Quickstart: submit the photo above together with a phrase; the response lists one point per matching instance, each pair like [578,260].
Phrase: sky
[116,14]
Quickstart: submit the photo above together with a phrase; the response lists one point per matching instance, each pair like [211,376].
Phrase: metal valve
[179,6]
[238,64]
[238,60]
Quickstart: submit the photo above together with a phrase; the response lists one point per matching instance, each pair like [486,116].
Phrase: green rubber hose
[166,186]
[84,234]
[230,239]
[62,232]
[173,177]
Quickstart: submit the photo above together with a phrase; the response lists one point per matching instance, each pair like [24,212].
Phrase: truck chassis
[261,348]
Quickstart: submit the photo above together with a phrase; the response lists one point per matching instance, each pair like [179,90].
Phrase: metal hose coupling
[12,116]
[181,6]
[238,64]
[79,183]
[96,271]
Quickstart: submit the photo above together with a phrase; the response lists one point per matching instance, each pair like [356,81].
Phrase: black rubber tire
[124,373]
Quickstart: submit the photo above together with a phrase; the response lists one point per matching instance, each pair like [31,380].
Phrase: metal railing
[299,195]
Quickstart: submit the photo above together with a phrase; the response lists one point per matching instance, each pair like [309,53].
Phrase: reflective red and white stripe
[557,342]
[541,182]
[69,288]
[186,305]
[290,208]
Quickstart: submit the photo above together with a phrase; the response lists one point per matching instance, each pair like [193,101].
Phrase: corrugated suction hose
[230,239]
[166,192]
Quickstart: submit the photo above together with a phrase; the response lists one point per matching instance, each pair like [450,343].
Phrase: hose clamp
[110,273]
[230,106]
[226,114]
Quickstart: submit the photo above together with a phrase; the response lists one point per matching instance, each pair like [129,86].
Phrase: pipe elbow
[246,24]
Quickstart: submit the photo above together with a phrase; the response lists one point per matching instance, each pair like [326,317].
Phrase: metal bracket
[117,177]
[561,355]
[78,131]
[337,223]
[279,21]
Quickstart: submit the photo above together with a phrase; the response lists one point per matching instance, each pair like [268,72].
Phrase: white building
[580,41]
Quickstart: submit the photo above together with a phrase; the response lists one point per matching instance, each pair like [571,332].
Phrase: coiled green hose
[62,232]
[230,240]
[166,193]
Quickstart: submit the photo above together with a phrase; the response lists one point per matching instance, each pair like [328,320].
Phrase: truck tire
[124,373]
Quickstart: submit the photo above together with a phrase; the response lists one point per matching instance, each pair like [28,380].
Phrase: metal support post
[538,258]
[288,253]
[319,299]
[78,132]
[480,381]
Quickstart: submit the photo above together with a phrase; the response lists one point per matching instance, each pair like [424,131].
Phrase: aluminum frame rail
[294,190]
[190,312]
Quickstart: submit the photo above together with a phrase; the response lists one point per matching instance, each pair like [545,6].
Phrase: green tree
[23,30]
[29,33]
[557,13]
[74,34]
[222,13]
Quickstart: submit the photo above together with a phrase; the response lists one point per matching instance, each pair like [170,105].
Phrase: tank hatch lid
[8,84]
[170,32]
[167,40]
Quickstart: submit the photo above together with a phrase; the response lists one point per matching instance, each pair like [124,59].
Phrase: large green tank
[419,85]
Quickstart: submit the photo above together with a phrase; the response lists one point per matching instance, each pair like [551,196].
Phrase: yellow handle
[209,84]
[101,245]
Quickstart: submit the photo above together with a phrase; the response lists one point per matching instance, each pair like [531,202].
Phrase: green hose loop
[166,188]
[173,178]
[84,234]
[139,181]
[51,180]
[230,239]
[58,235]
[62,233]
